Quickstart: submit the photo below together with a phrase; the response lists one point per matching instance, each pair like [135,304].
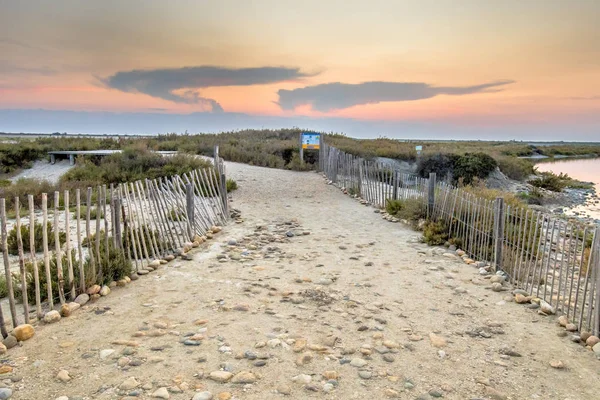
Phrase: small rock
[562,320]
[23,332]
[435,393]
[63,376]
[3,348]
[52,317]
[596,349]
[388,358]
[203,396]
[437,341]
[365,374]
[521,299]
[244,377]
[161,393]
[82,299]
[358,362]
[557,364]
[220,376]
[497,287]
[5,393]
[571,327]
[104,354]
[391,393]
[104,291]
[94,289]
[129,384]
[284,390]
[546,308]
[330,375]
[302,379]
[591,341]
[10,341]
[241,307]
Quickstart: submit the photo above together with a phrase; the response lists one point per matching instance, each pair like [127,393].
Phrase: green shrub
[473,165]
[115,267]
[24,187]
[463,168]
[296,164]
[515,168]
[411,210]
[16,279]
[38,231]
[3,287]
[550,181]
[440,164]
[83,212]
[535,196]
[231,185]
[435,233]
[134,163]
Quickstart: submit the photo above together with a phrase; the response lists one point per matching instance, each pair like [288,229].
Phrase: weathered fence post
[216,156]
[117,222]
[395,183]
[595,254]
[224,191]
[321,153]
[8,276]
[189,200]
[431,194]
[301,149]
[498,232]
[360,173]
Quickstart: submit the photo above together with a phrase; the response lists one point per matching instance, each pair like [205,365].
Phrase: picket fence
[141,222]
[545,255]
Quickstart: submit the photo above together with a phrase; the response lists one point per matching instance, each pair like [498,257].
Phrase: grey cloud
[585,98]
[162,83]
[335,96]
[6,68]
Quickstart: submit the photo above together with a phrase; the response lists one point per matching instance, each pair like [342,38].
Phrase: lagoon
[587,170]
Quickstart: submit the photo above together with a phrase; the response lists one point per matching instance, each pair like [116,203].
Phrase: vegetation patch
[38,230]
[460,169]
[411,210]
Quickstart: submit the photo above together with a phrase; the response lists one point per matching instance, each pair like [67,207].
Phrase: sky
[444,69]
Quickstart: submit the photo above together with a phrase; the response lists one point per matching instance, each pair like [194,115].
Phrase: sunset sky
[428,69]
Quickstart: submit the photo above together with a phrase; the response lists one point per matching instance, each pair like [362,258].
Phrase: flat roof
[96,152]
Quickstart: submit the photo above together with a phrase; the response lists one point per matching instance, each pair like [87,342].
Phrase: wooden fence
[97,231]
[545,255]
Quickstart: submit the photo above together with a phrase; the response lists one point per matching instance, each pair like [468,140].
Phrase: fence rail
[137,224]
[550,258]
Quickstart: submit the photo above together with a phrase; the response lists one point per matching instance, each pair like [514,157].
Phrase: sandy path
[382,284]
[42,169]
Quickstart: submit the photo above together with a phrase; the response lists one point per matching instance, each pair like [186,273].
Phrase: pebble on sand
[23,332]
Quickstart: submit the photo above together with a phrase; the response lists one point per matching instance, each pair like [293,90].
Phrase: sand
[447,334]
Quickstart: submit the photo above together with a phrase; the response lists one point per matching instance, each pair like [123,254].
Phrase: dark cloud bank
[336,96]
[162,83]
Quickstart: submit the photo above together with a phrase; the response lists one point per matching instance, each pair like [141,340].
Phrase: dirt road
[313,296]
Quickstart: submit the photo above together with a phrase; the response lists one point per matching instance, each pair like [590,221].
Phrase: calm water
[587,170]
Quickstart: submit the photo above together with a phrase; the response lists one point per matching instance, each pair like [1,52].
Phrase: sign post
[309,141]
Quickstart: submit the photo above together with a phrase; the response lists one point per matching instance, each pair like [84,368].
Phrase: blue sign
[311,140]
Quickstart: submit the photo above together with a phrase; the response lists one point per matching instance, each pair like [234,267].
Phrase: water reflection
[587,170]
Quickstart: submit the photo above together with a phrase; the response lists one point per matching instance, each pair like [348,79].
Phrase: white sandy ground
[409,292]
[42,169]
